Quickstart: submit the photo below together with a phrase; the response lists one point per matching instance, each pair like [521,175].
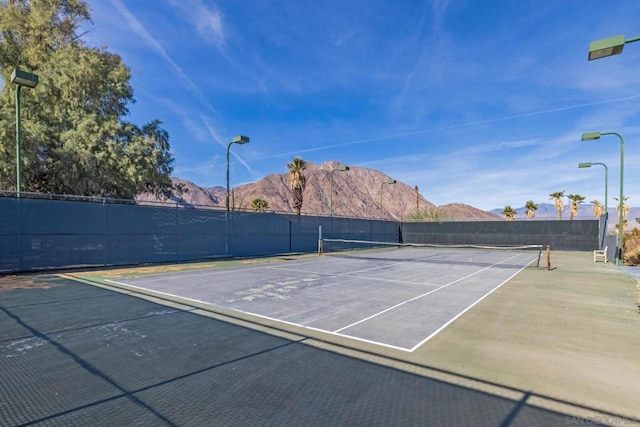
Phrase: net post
[548,257]
[319,240]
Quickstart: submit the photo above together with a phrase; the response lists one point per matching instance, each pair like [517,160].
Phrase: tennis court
[397,297]
[539,351]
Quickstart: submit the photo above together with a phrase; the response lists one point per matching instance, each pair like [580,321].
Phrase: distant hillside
[355,193]
[547,211]
[462,212]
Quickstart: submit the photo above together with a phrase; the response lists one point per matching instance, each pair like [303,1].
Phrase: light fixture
[341,168]
[590,136]
[20,78]
[388,181]
[609,46]
[240,139]
[606,184]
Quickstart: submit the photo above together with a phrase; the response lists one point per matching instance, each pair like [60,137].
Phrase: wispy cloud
[223,143]
[150,41]
[439,8]
[209,23]
[454,126]
[207,19]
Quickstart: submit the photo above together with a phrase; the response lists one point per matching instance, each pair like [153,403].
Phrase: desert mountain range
[354,193]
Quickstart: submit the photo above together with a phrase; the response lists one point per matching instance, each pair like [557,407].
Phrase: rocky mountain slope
[354,193]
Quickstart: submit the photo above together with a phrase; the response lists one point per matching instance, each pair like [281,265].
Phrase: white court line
[468,308]
[425,294]
[127,285]
[324,331]
[350,275]
[338,331]
[182,298]
[359,271]
[159,277]
[211,271]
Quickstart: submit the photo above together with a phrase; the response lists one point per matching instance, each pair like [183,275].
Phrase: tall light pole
[337,168]
[389,181]
[236,140]
[20,78]
[609,46]
[606,178]
[590,136]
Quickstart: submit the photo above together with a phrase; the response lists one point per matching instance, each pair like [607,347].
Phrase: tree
[74,138]
[625,207]
[259,205]
[598,209]
[509,213]
[576,199]
[297,182]
[427,214]
[632,247]
[625,222]
[531,208]
[557,201]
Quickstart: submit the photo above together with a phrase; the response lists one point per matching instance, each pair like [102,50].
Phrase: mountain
[462,212]
[355,193]
[193,196]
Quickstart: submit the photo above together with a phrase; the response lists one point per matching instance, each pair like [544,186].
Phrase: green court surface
[572,333]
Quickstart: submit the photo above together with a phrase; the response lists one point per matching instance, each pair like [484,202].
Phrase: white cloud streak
[460,125]
[177,71]
[208,20]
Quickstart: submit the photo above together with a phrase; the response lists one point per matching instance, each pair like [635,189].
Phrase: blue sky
[476,102]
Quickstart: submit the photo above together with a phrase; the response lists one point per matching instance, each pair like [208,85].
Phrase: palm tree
[625,207]
[576,199]
[557,201]
[531,208]
[259,205]
[598,209]
[297,181]
[509,213]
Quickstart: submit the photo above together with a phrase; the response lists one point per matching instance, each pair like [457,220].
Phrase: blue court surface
[397,298]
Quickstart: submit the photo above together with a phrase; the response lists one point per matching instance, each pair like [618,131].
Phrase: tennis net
[407,251]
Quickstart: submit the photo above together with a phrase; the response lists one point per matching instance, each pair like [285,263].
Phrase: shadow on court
[74,354]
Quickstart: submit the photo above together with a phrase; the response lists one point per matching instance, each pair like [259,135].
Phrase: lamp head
[584,165]
[23,78]
[390,181]
[342,168]
[590,136]
[240,139]
[606,47]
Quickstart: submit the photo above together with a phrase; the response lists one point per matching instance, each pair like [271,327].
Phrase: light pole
[389,181]
[236,140]
[20,78]
[337,168]
[606,178]
[609,46]
[590,136]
